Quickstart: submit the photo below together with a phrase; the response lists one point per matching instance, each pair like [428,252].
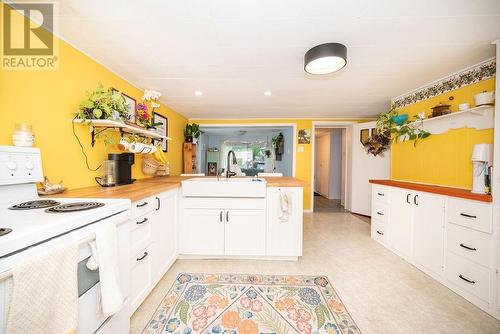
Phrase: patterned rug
[251,304]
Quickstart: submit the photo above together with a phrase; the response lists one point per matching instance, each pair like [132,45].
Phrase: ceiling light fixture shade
[325,58]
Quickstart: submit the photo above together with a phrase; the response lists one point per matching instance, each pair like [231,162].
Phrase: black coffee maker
[124,162]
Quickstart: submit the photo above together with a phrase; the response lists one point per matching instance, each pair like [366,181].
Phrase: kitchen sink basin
[233,187]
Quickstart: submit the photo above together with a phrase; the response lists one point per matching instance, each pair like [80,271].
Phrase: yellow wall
[303,162]
[48,101]
[442,159]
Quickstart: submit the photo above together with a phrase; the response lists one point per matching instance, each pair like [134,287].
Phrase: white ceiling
[234,50]
[232,131]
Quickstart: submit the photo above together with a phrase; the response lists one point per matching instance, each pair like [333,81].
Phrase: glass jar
[23,135]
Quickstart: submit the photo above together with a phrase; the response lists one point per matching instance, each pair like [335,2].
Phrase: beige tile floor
[383,293]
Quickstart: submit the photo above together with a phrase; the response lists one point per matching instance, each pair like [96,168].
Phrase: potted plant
[103,104]
[191,133]
[279,145]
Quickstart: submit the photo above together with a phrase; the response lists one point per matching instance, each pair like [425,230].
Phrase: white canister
[463,106]
[484,98]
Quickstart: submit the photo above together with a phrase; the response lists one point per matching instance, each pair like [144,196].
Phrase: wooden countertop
[440,190]
[151,186]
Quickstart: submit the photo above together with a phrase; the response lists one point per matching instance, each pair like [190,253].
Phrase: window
[250,155]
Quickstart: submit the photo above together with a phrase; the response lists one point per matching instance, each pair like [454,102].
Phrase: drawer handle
[408,198]
[142,221]
[415,199]
[142,257]
[142,204]
[465,279]
[468,216]
[381,194]
[380,233]
[380,213]
[467,247]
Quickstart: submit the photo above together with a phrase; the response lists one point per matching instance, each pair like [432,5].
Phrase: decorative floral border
[479,72]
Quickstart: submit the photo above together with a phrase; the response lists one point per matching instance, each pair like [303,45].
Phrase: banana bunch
[159,155]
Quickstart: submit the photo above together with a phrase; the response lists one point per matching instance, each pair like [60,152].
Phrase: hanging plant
[393,127]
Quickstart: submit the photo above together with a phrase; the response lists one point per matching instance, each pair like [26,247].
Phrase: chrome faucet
[228,170]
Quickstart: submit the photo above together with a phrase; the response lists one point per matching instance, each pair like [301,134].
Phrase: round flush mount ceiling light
[198,93]
[325,58]
[268,93]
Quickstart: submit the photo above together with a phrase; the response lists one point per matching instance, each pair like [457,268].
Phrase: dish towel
[44,293]
[285,208]
[105,257]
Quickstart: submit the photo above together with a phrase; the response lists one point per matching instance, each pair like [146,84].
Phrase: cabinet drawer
[380,211]
[470,244]
[143,206]
[379,231]
[468,276]
[140,276]
[141,234]
[380,193]
[472,214]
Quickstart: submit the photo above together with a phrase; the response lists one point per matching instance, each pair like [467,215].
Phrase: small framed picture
[161,129]
[304,136]
[131,105]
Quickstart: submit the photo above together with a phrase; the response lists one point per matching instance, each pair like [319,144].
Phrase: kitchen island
[168,223]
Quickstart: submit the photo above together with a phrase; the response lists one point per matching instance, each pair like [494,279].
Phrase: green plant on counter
[103,103]
[191,131]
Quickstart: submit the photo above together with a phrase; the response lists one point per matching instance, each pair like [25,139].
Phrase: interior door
[428,231]
[203,232]
[245,232]
[400,226]
[322,164]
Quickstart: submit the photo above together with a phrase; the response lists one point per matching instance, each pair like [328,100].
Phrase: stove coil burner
[77,206]
[37,204]
[4,231]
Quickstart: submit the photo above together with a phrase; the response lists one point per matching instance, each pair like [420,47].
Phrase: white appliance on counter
[30,225]
[481,161]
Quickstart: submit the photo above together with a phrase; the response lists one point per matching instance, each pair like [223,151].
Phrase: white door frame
[262,125]
[328,125]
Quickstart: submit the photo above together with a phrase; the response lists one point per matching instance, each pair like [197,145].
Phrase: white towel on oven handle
[105,257]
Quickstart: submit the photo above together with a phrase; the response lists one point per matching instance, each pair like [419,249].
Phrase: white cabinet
[164,231]
[401,210]
[284,237]
[447,237]
[153,240]
[202,232]
[245,232]
[428,231]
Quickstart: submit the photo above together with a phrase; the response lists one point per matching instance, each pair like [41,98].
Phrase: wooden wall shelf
[108,124]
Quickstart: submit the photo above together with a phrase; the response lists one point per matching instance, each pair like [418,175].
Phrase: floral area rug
[251,304]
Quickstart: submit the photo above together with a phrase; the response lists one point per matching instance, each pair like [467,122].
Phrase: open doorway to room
[329,169]
[255,147]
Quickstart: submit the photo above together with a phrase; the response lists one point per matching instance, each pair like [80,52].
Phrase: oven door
[90,318]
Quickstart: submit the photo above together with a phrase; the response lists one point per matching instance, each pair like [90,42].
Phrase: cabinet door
[400,223]
[284,238]
[245,232]
[164,231]
[202,232]
[428,231]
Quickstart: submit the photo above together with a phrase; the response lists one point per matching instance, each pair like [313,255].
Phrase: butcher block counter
[440,190]
[151,186]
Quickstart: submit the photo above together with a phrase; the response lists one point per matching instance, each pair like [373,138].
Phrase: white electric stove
[30,225]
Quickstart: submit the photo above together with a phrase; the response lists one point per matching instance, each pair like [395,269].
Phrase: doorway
[329,169]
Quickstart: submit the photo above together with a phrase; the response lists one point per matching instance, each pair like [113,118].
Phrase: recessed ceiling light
[198,93]
[268,93]
[325,58]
